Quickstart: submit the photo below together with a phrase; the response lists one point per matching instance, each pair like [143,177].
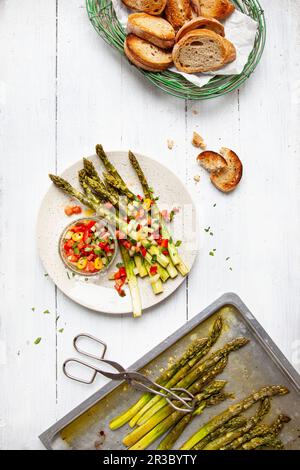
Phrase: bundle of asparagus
[146,246]
[215,436]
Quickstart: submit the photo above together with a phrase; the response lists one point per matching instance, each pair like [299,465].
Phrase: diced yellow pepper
[81,263]
[147,204]
[77,236]
[98,263]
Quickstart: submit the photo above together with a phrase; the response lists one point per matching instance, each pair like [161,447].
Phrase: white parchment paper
[240,29]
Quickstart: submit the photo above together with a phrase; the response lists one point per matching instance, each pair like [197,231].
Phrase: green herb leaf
[211,253]
[228,257]
[61,330]
[68,274]
[207,229]
[154,258]
[46,274]
[178,243]
[33,309]
[214,205]
[46,311]
[38,340]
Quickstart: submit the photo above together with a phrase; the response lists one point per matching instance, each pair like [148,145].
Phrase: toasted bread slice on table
[178,12]
[152,28]
[227,178]
[201,23]
[230,51]
[219,9]
[212,162]
[145,55]
[153,7]
[200,50]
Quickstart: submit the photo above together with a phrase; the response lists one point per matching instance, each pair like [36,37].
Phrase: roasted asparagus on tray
[151,417]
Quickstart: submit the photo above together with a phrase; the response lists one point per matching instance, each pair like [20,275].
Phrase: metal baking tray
[257,364]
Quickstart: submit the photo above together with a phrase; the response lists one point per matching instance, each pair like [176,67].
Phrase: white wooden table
[62,90]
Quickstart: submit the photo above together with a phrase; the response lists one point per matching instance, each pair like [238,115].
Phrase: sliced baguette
[212,161]
[178,12]
[228,179]
[219,9]
[152,28]
[153,7]
[200,50]
[230,51]
[145,55]
[201,23]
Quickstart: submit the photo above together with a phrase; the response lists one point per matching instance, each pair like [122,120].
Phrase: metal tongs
[135,379]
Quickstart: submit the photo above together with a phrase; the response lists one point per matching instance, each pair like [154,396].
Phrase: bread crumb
[195,111]
[198,141]
[197,178]
[170,143]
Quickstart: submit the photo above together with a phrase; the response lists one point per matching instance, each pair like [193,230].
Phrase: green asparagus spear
[195,351]
[183,367]
[137,440]
[91,171]
[231,425]
[167,410]
[269,440]
[187,380]
[107,164]
[170,439]
[227,438]
[234,410]
[148,192]
[260,431]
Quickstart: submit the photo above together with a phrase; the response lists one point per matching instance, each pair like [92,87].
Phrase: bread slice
[145,55]
[152,28]
[201,23]
[178,12]
[212,161]
[219,9]
[230,51]
[153,7]
[228,179]
[200,50]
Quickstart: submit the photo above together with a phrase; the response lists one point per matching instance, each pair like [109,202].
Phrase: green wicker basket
[104,19]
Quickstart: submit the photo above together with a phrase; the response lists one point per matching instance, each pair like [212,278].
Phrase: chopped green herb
[76,250]
[154,258]
[46,274]
[207,229]
[230,269]
[73,274]
[228,257]
[57,318]
[171,240]
[214,249]
[214,205]
[33,309]
[119,265]
[86,279]
[211,234]
[46,311]
[211,253]
[172,213]
[61,330]
[38,340]
[178,243]
[68,274]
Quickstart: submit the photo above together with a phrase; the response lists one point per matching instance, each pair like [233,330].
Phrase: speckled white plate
[97,293]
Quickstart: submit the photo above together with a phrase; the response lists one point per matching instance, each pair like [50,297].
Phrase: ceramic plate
[98,293]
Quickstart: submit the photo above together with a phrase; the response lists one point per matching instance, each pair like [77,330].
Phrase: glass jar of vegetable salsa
[88,246]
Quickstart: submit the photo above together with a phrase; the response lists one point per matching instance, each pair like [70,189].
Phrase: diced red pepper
[165,252]
[90,224]
[102,245]
[91,257]
[78,228]
[153,270]
[86,234]
[107,248]
[126,244]
[143,251]
[164,242]
[68,210]
[77,210]
[74,258]
[81,245]
[139,197]
[138,227]
[90,267]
